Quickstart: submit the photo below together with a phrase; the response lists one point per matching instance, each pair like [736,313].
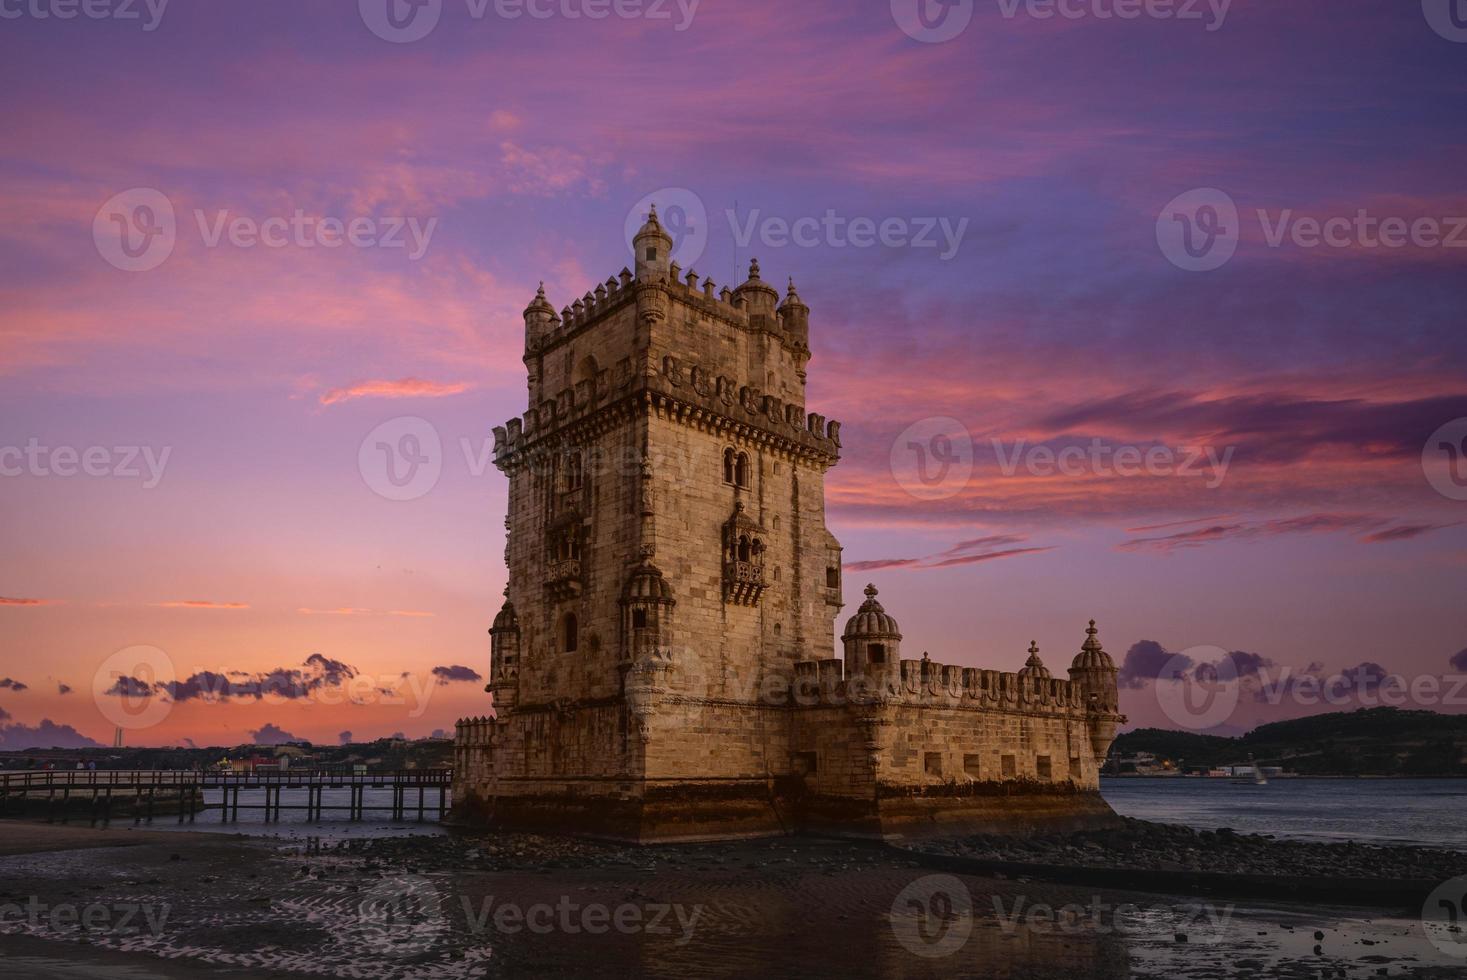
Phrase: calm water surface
[1383,811]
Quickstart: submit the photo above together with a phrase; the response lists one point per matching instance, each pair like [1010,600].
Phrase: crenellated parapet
[682,392]
[927,683]
[473,732]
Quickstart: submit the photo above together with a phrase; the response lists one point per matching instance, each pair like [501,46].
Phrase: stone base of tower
[733,810]
[901,815]
[652,813]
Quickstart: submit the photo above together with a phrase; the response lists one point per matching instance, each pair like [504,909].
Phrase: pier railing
[186,791]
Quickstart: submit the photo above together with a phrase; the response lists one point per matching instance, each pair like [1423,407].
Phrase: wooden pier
[187,792]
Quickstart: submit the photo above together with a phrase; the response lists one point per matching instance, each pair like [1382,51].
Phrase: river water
[1380,811]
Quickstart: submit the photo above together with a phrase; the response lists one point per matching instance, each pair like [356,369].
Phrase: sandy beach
[192,904]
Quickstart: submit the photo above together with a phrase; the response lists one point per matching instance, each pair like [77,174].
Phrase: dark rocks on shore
[1141,845]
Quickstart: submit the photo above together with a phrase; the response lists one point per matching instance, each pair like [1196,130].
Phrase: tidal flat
[140,904]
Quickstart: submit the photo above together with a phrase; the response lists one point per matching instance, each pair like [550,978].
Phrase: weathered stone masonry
[664,665]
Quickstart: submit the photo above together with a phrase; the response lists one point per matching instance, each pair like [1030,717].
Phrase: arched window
[741,470]
[586,370]
[744,550]
[728,466]
[574,472]
[757,552]
[570,633]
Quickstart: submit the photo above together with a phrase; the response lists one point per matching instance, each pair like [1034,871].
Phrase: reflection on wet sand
[451,907]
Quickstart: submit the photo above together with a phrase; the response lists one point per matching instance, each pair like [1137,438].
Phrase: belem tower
[664,664]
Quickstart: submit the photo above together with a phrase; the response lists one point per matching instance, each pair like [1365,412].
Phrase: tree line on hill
[1368,742]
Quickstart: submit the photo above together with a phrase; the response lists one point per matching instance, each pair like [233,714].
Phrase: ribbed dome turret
[758,295]
[506,621]
[646,584]
[1034,667]
[1092,656]
[871,620]
[540,304]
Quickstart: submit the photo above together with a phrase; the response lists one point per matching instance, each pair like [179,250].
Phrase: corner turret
[1094,672]
[653,248]
[873,642]
[504,658]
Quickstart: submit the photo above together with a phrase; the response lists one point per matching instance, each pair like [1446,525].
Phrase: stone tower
[663,665]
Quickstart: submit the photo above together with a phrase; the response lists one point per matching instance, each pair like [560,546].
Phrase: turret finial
[753,268]
[1033,648]
[871,591]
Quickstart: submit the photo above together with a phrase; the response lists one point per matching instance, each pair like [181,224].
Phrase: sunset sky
[1042,157]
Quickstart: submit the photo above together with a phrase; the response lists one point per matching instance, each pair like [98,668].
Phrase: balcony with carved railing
[743,582]
[563,578]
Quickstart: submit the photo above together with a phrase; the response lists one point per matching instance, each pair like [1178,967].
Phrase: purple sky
[1040,157]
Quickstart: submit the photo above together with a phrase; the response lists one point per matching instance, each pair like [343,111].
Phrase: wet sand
[23,837]
[508,905]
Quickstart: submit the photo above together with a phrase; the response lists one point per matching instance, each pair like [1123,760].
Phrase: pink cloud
[405,388]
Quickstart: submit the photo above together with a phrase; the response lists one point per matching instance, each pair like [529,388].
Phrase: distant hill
[384,753]
[1368,742]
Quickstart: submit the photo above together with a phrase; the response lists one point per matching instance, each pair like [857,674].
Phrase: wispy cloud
[405,388]
[1372,529]
[7,601]
[200,604]
[969,552]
